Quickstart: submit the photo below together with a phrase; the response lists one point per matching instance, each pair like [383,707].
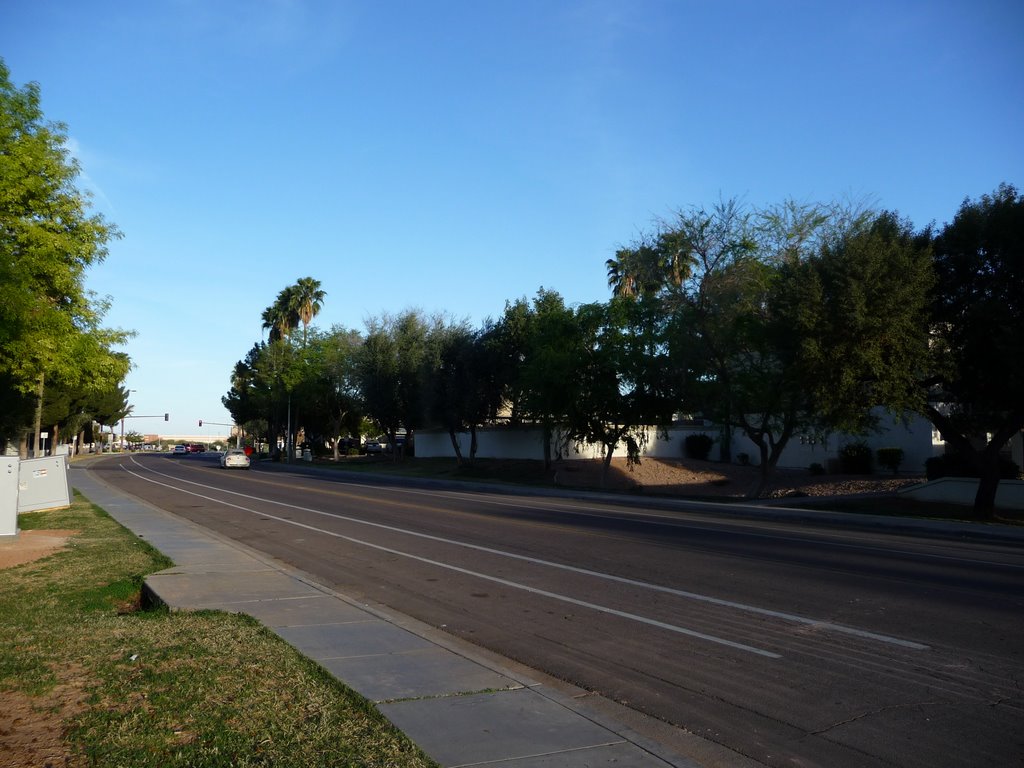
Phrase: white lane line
[581,509]
[466,571]
[791,617]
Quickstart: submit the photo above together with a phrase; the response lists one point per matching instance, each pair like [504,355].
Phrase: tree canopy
[977,370]
[50,325]
[790,319]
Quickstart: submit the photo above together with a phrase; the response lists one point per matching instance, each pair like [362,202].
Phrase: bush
[890,458]
[855,459]
[958,465]
[817,469]
[698,446]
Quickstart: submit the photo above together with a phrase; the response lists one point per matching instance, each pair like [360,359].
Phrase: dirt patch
[32,727]
[689,478]
[655,476]
[28,546]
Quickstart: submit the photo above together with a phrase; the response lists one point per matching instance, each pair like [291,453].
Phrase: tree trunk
[472,443]
[725,445]
[547,447]
[606,464]
[988,485]
[987,461]
[38,422]
[455,445]
[770,450]
[765,470]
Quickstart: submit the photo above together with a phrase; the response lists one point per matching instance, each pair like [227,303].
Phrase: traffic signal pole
[238,433]
[126,416]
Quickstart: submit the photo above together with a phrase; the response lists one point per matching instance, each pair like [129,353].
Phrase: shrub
[855,459]
[743,458]
[890,458]
[698,446]
[817,469]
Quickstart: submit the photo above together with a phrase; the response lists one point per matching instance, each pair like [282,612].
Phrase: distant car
[375,445]
[234,458]
[179,450]
[195,448]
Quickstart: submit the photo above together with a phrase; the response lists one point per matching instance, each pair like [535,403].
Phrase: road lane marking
[458,569]
[696,596]
[579,508]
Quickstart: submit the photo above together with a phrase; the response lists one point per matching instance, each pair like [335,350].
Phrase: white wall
[492,443]
[915,438]
[526,442]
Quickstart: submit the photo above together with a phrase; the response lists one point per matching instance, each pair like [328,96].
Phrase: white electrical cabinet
[43,483]
[9,496]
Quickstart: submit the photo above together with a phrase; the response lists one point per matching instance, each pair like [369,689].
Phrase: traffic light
[165,416]
[200,422]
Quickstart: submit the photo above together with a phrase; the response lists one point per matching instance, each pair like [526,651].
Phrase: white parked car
[234,458]
[374,445]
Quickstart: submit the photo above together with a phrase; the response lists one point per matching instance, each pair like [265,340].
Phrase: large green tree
[505,343]
[621,388]
[332,401]
[794,319]
[461,392]
[393,367]
[262,390]
[548,371]
[49,323]
[976,383]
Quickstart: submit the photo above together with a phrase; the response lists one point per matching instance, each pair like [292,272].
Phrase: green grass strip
[98,682]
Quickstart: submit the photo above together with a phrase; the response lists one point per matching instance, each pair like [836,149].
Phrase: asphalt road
[791,645]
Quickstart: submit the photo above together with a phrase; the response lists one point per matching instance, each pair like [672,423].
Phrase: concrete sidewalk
[460,705]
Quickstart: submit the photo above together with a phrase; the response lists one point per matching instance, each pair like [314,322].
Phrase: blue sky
[454,155]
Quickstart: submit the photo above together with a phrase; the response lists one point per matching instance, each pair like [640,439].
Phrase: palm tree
[281,317]
[635,271]
[620,279]
[307,298]
[675,258]
[654,264]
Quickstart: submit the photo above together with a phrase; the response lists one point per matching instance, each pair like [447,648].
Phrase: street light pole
[128,409]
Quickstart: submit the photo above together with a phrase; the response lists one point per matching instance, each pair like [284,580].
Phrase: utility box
[43,483]
[8,496]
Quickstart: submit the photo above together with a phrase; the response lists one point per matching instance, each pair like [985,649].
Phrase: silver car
[234,458]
